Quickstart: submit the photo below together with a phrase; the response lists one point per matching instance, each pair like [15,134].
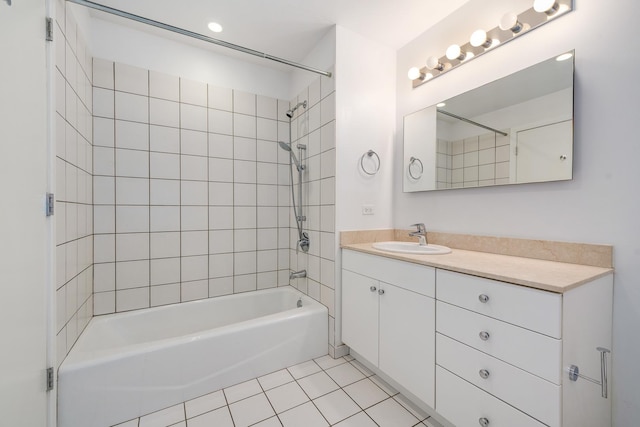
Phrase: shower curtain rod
[472,122]
[188,33]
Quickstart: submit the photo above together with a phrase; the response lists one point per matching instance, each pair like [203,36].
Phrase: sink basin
[411,248]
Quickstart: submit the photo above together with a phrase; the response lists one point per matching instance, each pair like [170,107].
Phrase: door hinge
[49,30]
[49,379]
[49,204]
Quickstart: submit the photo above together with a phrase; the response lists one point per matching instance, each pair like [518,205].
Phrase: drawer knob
[380,291]
[373,289]
[484,335]
[484,422]
[484,374]
[483,298]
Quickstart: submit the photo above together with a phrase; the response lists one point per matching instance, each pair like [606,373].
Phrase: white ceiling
[288,28]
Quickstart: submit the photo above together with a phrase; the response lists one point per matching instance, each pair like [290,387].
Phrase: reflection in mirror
[514,130]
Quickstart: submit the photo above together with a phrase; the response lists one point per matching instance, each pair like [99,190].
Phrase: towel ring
[370,153]
[412,161]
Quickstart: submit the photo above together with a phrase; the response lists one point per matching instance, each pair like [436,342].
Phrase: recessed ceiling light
[215,27]
[564,56]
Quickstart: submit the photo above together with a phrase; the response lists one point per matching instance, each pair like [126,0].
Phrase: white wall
[601,204]
[157,53]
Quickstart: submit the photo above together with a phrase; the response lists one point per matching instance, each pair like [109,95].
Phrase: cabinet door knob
[483,298]
[484,422]
[373,289]
[484,335]
[484,374]
[380,291]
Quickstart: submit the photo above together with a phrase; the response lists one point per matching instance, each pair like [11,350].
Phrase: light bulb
[510,22]
[434,64]
[414,73]
[215,27]
[454,52]
[479,38]
[546,6]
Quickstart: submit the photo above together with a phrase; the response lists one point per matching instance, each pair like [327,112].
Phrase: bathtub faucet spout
[297,274]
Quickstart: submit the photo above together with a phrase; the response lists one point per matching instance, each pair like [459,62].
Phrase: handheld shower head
[287,147]
[291,111]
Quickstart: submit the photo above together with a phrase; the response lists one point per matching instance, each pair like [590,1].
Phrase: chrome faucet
[420,233]
[297,274]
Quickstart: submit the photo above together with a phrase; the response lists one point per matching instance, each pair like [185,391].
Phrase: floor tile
[275,379]
[365,393]
[358,420]
[218,418]
[242,390]
[306,415]
[286,397]
[271,422]
[359,366]
[205,403]
[345,374]
[390,413]
[383,385]
[303,369]
[251,410]
[318,384]
[164,418]
[336,406]
[411,407]
[326,362]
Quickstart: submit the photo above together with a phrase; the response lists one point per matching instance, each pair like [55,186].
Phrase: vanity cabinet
[389,318]
[481,351]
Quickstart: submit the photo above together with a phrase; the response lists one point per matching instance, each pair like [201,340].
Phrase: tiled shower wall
[315,127]
[190,199]
[472,162]
[73,192]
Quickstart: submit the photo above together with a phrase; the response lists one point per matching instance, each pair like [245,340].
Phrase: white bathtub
[129,364]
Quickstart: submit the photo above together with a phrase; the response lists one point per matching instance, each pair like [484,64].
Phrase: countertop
[551,276]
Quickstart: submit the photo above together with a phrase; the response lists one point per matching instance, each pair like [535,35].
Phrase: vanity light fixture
[511,26]
[215,27]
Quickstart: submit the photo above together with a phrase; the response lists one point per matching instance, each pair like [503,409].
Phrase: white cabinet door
[360,314]
[407,340]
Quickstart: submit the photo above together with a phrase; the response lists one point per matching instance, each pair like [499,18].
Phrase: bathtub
[126,365]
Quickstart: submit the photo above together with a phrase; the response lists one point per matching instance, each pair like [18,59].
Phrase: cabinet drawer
[531,394]
[533,352]
[464,405]
[540,311]
[406,275]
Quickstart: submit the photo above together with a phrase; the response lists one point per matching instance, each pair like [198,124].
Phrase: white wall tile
[164,112]
[104,248]
[194,193]
[220,98]
[195,290]
[165,294]
[220,241]
[132,191]
[103,161]
[244,217]
[244,240]
[164,139]
[327,191]
[131,79]
[267,107]
[131,107]
[221,217]
[194,218]
[328,109]
[220,286]
[193,142]
[193,117]
[164,86]
[103,132]
[220,193]
[103,73]
[221,265]
[164,218]
[164,165]
[193,168]
[166,270]
[104,190]
[244,148]
[220,170]
[244,171]
[244,194]
[220,146]
[244,283]
[220,122]
[104,303]
[267,260]
[194,243]
[194,268]
[132,135]
[104,219]
[132,219]
[132,163]
[328,136]
[267,217]
[244,103]
[244,125]
[132,299]
[132,274]
[192,92]
[165,245]
[267,151]
[244,263]
[132,246]
[267,239]
[267,195]
[164,192]
[104,277]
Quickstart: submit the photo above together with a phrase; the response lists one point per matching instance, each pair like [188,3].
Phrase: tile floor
[321,392]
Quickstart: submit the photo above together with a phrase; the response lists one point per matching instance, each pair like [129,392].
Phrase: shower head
[291,111]
[287,147]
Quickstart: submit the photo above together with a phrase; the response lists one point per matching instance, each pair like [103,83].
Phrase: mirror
[514,130]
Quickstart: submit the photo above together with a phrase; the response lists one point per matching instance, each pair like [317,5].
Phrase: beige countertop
[535,273]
